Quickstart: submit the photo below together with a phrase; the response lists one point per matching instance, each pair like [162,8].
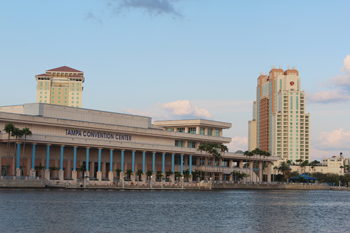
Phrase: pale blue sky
[139,55]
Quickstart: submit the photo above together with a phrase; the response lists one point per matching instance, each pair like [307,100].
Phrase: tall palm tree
[274,168]
[139,173]
[284,167]
[26,132]
[118,171]
[40,168]
[81,169]
[129,173]
[54,168]
[169,173]
[187,174]
[9,128]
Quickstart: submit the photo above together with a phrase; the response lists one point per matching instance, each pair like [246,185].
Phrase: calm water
[173,211]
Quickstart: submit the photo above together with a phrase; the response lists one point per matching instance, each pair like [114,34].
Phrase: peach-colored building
[61,86]
[280,124]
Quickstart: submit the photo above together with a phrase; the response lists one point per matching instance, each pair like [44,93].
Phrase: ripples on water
[173,211]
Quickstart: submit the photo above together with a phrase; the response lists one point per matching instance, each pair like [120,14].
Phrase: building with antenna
[280,124]
[61,86]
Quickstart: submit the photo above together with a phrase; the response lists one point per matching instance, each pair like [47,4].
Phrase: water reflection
[173,211]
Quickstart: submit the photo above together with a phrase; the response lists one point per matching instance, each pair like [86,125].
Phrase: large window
[210,132]
[217,133]
[202,131]
[192,130]
[181,130]
[179,143]
[191,144]
[168,129]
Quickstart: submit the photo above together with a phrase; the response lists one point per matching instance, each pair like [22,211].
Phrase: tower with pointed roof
[61,86]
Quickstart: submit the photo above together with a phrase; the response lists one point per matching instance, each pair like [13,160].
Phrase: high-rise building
[61,86]
[280,124]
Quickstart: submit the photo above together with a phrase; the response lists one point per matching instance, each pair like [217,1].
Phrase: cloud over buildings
[180,109]
[338,87]
[238,143]
[336,140]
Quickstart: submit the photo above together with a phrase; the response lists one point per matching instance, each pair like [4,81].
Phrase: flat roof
[194,122]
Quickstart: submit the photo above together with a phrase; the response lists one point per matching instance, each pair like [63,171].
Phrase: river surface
[52,210]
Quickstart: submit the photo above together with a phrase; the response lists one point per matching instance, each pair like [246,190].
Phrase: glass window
[77,93]
[168,129]
[59,89]
[179,143]
[59,93]
[41,84]
[192,130]
[45,101]
[72,102]
[53,97]
[65,90]
[77,84]
[217,133]
[65,97]
[202,131]
[181,130]
[65,93]
[73,93]
[52,101]
[72,98]
[40,96]
[210,132]
[77,102]
[40,101]
[59,102]
[45,84]
[72,84]
[59,97]
[65,102]
[53,88]
[191,144]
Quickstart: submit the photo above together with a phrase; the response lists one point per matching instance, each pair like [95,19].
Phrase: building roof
[76,76]
[44,75]
[64,69]
[193,122]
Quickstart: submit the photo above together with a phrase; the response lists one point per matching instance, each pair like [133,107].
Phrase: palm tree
[304,164]
[9,128]
[284,167]
[274,168]
[118,171]
[26,132]
[40,168]
[81,169]
[54,168]
[187,174]
[178,175]
[139,173]
[129,173]
[168,174]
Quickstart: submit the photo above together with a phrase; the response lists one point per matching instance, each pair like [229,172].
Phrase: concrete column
[260,171]
[173,163]
[205,161]
[32,170]
[240,164]
[220,176]
[154,162]
[61,172]
[122,162]
[190,164]
[220,162]
[182,164]
[87,158]
[163,163]
[18,168]
[110,173]
[198,129]
[268,171]
[186,129]
[251,170]
[205,131]
[230,163]
[47,171]
[99,171]
[133,161]
[143,163]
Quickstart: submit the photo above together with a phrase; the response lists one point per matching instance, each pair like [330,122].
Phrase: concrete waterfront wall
[272,186]
[22,184]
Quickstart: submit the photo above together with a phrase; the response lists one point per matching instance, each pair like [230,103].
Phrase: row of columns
[110,175]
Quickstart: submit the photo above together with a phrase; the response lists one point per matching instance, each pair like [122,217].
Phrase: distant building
[61,86]
[329,165]
[280,124]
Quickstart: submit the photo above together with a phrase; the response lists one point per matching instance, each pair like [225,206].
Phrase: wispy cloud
[91,16]
[339,87]
[238,143]
[152,7]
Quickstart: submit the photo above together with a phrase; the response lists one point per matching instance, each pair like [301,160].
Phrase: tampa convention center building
[68,137]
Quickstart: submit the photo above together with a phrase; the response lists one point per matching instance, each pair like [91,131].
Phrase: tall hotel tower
[280,124]
[61,86]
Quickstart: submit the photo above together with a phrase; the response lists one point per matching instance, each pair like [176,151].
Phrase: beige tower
[280,124]
[61,86]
